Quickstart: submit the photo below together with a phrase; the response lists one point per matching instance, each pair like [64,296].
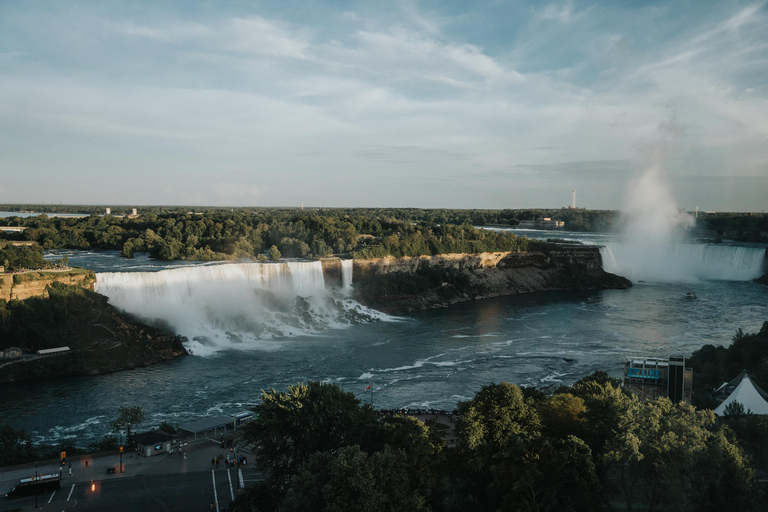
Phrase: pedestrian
[185,455]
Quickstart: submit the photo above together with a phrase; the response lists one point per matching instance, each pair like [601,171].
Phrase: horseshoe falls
[683,262]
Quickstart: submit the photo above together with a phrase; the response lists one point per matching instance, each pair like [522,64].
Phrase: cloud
[561,11]
[267,94]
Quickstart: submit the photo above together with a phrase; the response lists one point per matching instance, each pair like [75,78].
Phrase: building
[52,351]
[653,377]
[151,443]
[241,418]
[542,223]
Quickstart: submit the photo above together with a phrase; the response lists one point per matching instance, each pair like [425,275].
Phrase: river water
[249,332]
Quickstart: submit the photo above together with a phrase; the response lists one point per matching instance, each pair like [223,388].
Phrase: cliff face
[35,283]
[401,285]
[101,339]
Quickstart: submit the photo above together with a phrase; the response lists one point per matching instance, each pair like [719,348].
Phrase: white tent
[748,395]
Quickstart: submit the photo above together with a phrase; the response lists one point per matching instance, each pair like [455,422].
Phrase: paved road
[184,492]
[162,483]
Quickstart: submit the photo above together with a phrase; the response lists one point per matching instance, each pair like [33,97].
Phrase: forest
[587,447]
[261,234]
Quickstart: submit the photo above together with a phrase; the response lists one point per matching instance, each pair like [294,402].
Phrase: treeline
[746,227]
[714,365]
[18,257]
[231,235]
[586,447]
[578,219]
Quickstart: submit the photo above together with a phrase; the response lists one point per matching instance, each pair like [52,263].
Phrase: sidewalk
[87,468]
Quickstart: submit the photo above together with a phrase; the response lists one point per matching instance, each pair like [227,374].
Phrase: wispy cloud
[564,91]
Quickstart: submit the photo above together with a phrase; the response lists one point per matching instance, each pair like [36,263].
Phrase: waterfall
[234,305]
[346,274]
[684,262]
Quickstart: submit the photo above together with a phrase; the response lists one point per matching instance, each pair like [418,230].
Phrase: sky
[432,104]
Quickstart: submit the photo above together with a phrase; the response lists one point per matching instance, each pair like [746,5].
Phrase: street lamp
[36,479]
[122,432]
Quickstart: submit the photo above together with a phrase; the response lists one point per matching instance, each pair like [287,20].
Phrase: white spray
[235,306]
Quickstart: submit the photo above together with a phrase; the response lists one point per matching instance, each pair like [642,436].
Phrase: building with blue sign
[652,377]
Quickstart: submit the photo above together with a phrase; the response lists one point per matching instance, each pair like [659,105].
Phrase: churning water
[254,326]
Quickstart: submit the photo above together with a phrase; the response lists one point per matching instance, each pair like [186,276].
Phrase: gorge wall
[401,285]
[24,285]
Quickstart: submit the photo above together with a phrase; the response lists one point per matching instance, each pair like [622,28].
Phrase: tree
[274,253]
[735,408]
[668,454]
[498,418]
[15,446]
[539,474]
[350,480]
[308,418]
[127,418]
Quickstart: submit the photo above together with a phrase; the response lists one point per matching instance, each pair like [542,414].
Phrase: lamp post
[122,432]
[36,479]
[237,475]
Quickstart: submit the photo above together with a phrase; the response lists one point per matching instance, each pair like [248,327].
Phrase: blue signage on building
[643,373]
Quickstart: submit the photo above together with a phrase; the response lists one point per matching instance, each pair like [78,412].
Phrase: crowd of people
[418,412]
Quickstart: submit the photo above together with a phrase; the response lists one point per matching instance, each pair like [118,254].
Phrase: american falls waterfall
[683,262]
[237,305]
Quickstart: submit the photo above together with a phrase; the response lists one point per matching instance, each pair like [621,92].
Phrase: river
[249,332]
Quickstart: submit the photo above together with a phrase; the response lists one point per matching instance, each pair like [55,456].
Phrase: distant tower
[109,211]
[133,212]
[573,198]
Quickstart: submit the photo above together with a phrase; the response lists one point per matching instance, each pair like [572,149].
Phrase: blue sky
[500,104]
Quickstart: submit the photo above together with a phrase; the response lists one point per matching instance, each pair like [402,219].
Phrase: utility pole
[36,480]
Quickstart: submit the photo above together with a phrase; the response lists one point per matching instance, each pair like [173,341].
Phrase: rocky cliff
[402,285]
[34,283]
[101,339]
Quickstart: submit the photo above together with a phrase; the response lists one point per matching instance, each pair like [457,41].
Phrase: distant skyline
[431,104]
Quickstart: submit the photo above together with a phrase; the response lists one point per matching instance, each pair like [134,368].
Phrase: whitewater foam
[240,306]
[684,262]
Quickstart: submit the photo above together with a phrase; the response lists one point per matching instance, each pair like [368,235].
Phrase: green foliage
[274,253]
[324,450]
[15,446]
[735,408]
[715,365]
[363,459]
[220,235]
[663,455]
[308,418]
[20,257]
[127,418]
[350,480]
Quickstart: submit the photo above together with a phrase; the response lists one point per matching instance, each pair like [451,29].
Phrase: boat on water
[690,295]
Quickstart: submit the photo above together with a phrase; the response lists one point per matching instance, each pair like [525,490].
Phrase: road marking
[70,492]
[242,484]
[231,492]
[215,494]
[52,495]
